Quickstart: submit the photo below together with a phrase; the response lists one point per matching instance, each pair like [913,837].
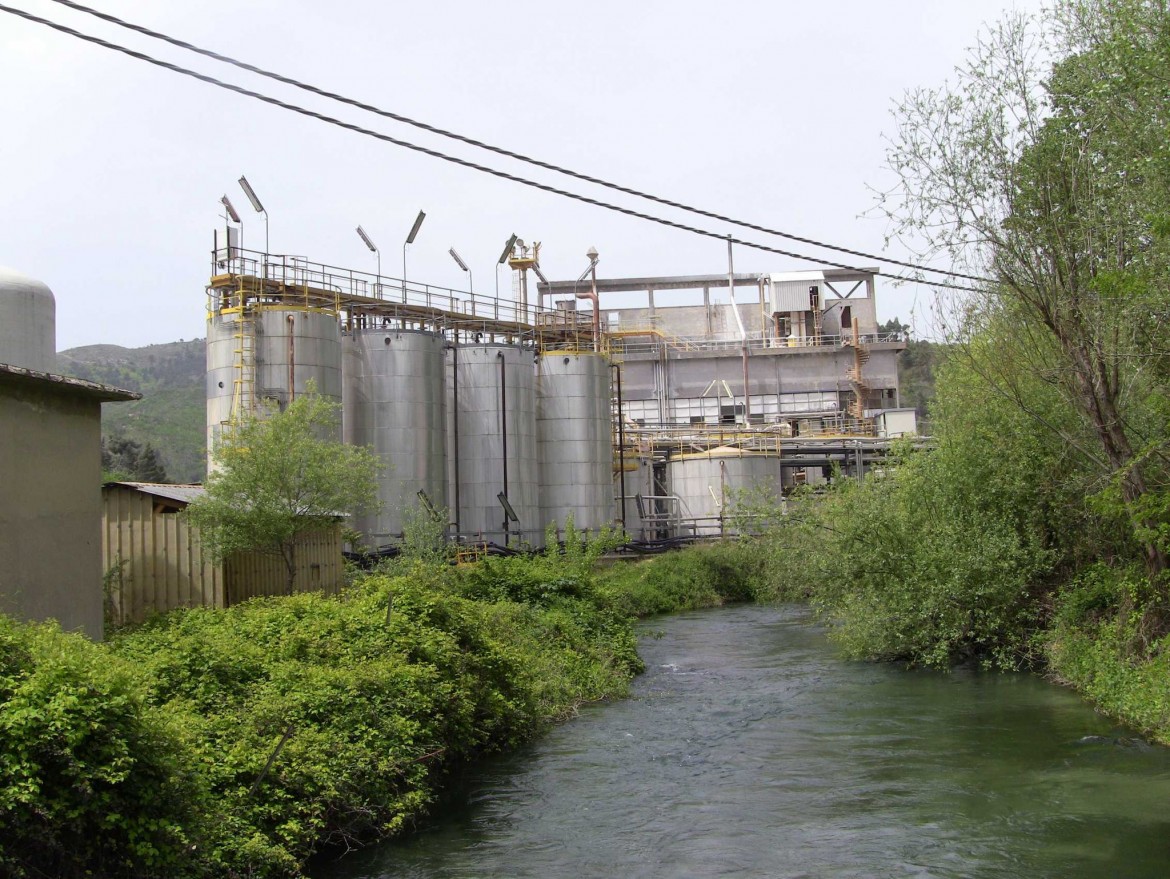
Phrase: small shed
[896,422]
[154,561]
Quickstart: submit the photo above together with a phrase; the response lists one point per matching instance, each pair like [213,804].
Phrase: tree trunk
[288,554]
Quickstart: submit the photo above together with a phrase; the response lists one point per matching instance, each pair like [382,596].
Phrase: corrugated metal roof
[182,493]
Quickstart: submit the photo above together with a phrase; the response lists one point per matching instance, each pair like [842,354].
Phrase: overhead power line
[313,114]
[588,178]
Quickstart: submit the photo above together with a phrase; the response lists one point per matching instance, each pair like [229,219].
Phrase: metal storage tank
[396,403]
[28,322]
[493,447]
[574,436]
[270,353]
[705,482]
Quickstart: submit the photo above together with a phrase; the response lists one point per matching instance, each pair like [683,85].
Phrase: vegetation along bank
[237,742]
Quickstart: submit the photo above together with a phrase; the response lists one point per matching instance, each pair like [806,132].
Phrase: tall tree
[1043,169]
[278,477]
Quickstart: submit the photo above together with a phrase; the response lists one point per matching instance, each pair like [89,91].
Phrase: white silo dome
[28,322]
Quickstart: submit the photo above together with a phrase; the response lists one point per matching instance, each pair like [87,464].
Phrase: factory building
[518,416]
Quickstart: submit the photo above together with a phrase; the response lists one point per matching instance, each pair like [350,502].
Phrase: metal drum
[574,439]
[395,402]
[706,484]
[492,442]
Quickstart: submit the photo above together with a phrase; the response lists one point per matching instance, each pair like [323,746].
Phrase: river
[750,749]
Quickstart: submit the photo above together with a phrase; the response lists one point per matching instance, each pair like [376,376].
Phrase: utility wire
[313,114]
[397,117]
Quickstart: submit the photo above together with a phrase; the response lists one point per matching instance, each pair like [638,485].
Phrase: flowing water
[750,749]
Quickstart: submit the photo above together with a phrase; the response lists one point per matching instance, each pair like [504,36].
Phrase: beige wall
[50,506]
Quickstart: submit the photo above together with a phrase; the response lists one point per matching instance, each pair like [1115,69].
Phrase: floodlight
[366,238]
[231,210]
[540,275]
[248,191]
[508,511]
[418,221]
[592,254]
[458,259]
[508,249]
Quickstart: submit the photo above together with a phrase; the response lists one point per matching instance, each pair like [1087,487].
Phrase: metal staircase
[854,374]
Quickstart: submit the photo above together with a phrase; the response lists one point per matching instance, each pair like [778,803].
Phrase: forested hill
[169,419]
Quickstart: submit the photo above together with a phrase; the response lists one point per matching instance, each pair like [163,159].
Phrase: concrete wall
[772,371]
[50,506]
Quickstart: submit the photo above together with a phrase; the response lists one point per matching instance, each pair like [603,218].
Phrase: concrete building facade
[50,497]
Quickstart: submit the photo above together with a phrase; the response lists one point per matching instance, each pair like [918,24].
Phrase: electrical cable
[313,114]
[397,117]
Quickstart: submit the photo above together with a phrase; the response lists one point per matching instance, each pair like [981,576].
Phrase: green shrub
[93,780]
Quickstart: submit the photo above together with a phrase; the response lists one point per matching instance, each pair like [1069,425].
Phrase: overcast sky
[774,112]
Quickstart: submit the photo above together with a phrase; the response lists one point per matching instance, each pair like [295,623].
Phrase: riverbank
[238,742]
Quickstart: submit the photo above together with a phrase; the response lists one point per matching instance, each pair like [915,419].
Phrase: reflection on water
[750,749]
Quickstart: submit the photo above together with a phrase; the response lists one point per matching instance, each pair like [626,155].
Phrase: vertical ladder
[244,383]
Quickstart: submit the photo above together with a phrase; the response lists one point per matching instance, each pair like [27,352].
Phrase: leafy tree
[278,477]
[1043,169]
[129,460]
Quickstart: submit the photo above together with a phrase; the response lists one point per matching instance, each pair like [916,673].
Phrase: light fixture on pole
[234,236]
[459,262]
[226,202]
[418,221]
[503,258]
[251,193]
[370,244]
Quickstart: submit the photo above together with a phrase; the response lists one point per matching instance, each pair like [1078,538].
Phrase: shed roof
[184,494]
[22,376]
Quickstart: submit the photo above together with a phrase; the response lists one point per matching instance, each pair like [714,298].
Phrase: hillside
[170,416]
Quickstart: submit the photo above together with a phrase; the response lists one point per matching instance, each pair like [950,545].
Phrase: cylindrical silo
[493,447]
[395,402]
[265,355]
[707,483]
[574,435]
[28,322]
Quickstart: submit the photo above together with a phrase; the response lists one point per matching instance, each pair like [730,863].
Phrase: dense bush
[1103,644]
[238,742]
[93,779]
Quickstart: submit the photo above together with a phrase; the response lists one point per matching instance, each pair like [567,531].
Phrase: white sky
[773,112]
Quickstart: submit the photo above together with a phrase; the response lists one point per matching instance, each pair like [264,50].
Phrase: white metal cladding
[575,440]
[308,341]
[396,403]
[790,290]
[706,483]
[483,422]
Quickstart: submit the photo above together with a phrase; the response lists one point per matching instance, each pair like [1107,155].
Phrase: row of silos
[468,427]
[506,441]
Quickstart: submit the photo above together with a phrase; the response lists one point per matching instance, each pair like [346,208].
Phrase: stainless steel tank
[267,357]
[396,403]
[707,483]
[492,443]
[28,322]
[574,436]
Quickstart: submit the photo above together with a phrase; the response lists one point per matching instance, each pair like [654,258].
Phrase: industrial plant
[514,416]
